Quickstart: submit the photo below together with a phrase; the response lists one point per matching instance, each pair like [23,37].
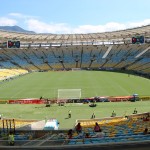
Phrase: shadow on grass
[41,107]
[67,118]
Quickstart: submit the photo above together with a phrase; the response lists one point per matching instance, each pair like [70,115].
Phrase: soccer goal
[69,93]
[76,69]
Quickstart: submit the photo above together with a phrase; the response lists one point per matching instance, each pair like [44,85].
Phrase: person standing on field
[69,114]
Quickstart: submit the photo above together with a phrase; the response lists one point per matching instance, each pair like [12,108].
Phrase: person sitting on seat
[146,131]
[70,134]
[87,135]
[78,128]
[113,114]
[146,118]
[135,111]
[96,127]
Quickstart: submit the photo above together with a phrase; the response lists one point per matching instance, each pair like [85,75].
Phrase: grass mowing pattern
[92,83]
[79,111]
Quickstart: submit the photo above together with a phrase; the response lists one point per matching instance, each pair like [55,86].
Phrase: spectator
[87,135]
[99,134]
[146,118]
[135,111]
[96,127]
[70,133]
[11,139]
[146,131]
[78,128]
[113,114]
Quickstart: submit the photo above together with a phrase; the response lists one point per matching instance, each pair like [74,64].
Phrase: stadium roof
[123,36]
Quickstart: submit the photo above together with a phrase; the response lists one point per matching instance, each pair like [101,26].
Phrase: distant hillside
[14,28]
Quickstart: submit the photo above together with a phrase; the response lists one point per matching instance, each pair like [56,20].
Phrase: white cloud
[18,15]
[7,21]
[112,26]
[138,24]
[21,16]
[33,23]
[42,27]
[88,29]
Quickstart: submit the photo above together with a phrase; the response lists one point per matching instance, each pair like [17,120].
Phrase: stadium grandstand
[110,50]
[125,50]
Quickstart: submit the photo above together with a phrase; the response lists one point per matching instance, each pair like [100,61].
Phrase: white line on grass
[16,93]
[123,89]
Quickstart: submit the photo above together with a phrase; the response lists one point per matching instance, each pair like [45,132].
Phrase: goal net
[76,69]
[69,93]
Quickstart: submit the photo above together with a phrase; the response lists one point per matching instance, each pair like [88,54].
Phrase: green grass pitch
[78,110]
[91,83]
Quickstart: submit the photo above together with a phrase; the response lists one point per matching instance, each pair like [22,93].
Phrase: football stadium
[50,83]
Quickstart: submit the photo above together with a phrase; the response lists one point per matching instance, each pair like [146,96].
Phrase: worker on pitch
[113,114]
[69,114]
[135,111]
[93,116]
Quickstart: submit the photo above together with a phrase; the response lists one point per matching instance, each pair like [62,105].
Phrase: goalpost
[76,69]
[69,93]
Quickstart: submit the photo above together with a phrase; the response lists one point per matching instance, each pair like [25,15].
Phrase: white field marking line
[16,93]
[3,85]
[121,88]
[145,79]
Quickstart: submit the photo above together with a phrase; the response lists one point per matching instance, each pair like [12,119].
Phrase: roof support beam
[107,52]
[142,52]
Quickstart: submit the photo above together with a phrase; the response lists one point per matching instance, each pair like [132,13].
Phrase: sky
[74,16]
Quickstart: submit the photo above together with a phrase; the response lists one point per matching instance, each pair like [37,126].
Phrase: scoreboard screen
[138,39]
[13,44]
